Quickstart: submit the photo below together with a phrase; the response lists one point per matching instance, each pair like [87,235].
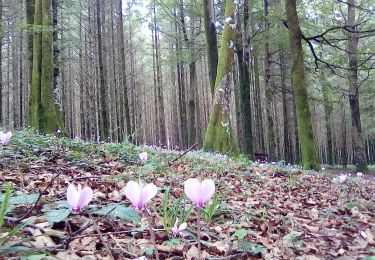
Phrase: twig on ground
[101,237]
[122,249]
[85,177]
[185,152]
[73,236]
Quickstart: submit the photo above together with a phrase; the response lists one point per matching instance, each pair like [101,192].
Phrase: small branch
[73,236]
[101,237]
[178,157]
[27,214]
[122,249]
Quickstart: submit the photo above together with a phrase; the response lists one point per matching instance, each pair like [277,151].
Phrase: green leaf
[22,199]
[57,215]
[120,211]
[148,250]
[240,234]
[173,242]
[34,257]
[251,247]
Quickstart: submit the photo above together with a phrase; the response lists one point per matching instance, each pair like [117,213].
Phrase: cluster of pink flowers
[140,193]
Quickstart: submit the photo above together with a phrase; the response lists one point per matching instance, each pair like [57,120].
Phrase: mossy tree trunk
[35,106]
[357,138]
[43,112]
[310,158]
[219,136]
[211,41]
[243,57]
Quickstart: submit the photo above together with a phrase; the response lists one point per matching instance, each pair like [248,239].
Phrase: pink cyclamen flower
[140,194]
[5,137]
[178,230]
[77,199]
[199,192]
[143,158]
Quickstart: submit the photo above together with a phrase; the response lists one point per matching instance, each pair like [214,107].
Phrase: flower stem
[199,233]
[152,234]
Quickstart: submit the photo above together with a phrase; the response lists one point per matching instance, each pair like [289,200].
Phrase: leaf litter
[265,211]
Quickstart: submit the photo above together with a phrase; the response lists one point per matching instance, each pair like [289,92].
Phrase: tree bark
[219,136]
[211,41]
[102,79]
[243,56]
[123,68]
[357,138]
[310,158]
[272,149]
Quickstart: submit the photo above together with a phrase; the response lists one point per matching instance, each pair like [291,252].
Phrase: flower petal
[182,226]
[72,196]
[133,193]
[143,158]
[192,188]
[85,197]
[148,192]
[207,190]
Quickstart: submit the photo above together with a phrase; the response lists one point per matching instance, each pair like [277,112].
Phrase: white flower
[178,230]
[359,174]
[342,178]
[5,137]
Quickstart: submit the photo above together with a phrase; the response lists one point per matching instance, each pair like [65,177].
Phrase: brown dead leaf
[192,253]
[311,228]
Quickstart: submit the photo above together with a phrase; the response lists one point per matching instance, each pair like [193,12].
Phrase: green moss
[310,158]
[219,136]
[43,113]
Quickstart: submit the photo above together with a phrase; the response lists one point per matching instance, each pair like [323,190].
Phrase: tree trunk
[211,41]
[30,10]
[357,138]
[327,115]
[102,80]
[35,107]
[219,136]
[243,56]
[286,135]
[272,149]
[123,68]
[310,158]
[159,87]
[181,89]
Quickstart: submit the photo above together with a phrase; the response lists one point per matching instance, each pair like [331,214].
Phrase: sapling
[139,195]
[199,193]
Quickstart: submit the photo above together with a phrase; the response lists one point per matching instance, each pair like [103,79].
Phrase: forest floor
[267,211]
